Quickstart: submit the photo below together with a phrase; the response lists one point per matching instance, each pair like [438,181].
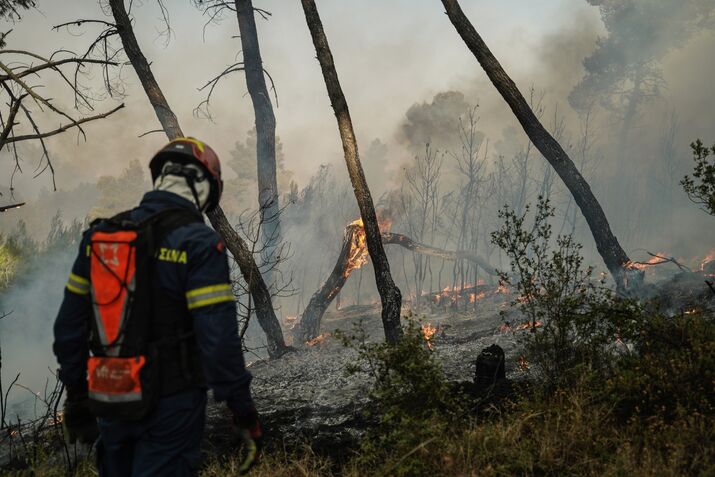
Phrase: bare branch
[61,129]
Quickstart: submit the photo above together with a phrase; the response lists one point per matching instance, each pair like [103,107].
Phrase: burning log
[353,255]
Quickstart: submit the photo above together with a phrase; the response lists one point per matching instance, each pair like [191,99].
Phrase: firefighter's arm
[210,299]
[72,325]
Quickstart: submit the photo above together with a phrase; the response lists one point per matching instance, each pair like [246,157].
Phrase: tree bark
[265,132]
[309,325]
[613,255]
[236,245]
[417,247]
[390,295]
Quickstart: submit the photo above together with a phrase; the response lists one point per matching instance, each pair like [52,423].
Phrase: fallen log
[417,247]
[353,254]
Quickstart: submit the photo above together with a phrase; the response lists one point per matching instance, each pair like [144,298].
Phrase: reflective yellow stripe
[78,279]
[210,301]
[209,289]
[192,140]
[209,295]
[76,290]
[77,284]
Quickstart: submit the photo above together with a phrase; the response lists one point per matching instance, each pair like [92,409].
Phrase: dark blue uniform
[192,266]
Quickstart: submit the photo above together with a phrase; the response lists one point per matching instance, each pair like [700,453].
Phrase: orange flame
[428,332]
[506,327]
[318,340]
[358,254]
[708,258]
[631,265]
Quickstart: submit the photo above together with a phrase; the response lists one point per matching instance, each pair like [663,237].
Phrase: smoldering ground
[408,80]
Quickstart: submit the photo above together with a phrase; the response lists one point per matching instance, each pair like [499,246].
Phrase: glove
[78,423]
[248,427]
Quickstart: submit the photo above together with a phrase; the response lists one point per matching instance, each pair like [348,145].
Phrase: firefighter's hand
[78,424]
[248,427]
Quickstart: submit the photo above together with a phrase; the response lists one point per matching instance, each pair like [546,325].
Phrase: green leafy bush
[701,186]
[412,402]
[579,319]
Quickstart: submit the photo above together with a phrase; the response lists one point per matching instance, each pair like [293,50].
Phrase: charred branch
[409,244]
[390,295]
[350,258]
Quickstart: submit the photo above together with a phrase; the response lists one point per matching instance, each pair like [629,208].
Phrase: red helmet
[189,150]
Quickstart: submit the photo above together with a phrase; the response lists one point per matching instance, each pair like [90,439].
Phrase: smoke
[408,79]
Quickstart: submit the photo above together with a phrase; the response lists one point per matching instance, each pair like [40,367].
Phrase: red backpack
[123,370]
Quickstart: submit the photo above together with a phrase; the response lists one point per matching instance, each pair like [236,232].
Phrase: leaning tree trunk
[265,133]
[309,325]
[389,293]
[613,255]
[238,248]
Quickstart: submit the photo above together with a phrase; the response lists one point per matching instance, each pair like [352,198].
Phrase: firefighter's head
[195,164]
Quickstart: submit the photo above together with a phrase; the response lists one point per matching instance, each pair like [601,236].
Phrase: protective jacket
[192,280]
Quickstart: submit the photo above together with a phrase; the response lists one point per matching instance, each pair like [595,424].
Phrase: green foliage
[412,402]
[8,265]
[671,372]
[701,186]
[579,318]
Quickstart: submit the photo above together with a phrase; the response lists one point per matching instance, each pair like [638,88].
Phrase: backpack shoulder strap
[165,221]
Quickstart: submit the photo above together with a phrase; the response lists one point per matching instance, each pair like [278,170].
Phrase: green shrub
[412,402]
[578,318]
[671,373]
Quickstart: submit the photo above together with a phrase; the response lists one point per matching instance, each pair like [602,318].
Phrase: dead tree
[389,293]
[352,256]
[309,326]
[236,245]
[265,130]
[21,76]
[613,255]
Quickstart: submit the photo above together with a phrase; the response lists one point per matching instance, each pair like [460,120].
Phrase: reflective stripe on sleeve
[77,284]
[210,295]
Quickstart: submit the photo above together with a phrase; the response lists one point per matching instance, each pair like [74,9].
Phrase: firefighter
[194,322]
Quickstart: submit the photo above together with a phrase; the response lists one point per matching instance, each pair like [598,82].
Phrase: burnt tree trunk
[613,255]
[309,325]
[390,295]
[238,248]
[265,133]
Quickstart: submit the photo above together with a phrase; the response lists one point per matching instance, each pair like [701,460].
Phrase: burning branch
[353,255]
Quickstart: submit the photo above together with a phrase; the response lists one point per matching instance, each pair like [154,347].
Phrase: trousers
[165,443]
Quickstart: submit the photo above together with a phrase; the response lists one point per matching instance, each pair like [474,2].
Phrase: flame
[474,297]
[656,260]
[358,254]
[290,321]
[523,363]
[708,258]
[428,332]
[318,340]
[503,289]
[506,327]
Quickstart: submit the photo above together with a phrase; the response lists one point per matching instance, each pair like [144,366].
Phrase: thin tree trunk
[238,248]
[265,132]
[389,293]
[613,255]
